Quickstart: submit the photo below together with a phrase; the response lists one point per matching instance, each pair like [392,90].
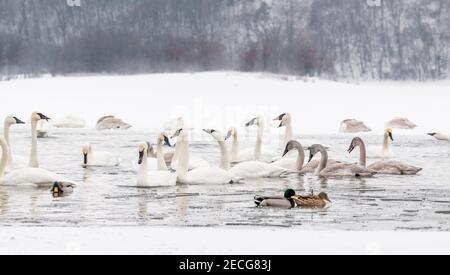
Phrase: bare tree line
[401,39]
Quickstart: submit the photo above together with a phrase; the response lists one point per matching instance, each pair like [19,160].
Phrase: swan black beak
[18,121]
[350,149]
[228,135]
[44,117]
[85,160]
[285,152]
[311,156]
[167,141]
[251,122]
[391,137]
[177,133]
[431,134]
[209,131]
[141,157]
[280,117]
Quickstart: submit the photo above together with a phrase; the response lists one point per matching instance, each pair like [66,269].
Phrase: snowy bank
[223,99]
[144,240]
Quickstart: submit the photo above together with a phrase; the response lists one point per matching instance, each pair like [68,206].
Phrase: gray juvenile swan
[297,164]
[111,122]
[353,126]
[389,167]
[338,169]
[401,123]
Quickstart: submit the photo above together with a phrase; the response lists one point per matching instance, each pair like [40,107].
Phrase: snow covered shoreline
[224,99]
[190,241]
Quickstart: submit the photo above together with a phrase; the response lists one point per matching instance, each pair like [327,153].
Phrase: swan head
[35,117]
[324,196]
[284,118]
[289,193]
[11,120]
[388,133]
[231,133]
[215,134]
[356,142]
[164,139]
[291,145]
[87,150]
[143,148]
[439,136]
[313,150]
[255,121]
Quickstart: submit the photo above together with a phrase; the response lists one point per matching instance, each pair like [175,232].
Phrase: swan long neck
[258,146]
[33,154]
[143,170]
[183,161]
[235,148]
[362,154]
[176,154]
[323,160]
[4,159]
[300,157]
[288,133]
[224,157]
[6,130]
[160,156]
[386,142]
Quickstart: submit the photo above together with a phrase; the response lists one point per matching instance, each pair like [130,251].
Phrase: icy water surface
[108,196]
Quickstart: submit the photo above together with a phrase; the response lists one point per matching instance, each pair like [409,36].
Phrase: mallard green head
[56,189]
[289,193]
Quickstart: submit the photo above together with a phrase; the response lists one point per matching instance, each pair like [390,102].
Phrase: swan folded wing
[312,166]
[162,178]
[211,175]
[394,168]
[257,169]
[347,169]
[36,176]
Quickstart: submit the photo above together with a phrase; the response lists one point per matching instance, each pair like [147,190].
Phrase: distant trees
[402,39]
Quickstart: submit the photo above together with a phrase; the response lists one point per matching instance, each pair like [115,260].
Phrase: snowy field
[227,98]
[387,214]
[195,241]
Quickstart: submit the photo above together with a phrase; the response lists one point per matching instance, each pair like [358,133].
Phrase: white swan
[14,162]
[35,118]
[401,123]
[286,121]
[382,167]
[70,121]
[4,159]
[92,158]
[25,176]
[152,178]
[203,175]
[257,168]
[440,136]
[157,161]
[338,169]
[43,129]
[353,126]
[194,162]
[297,164]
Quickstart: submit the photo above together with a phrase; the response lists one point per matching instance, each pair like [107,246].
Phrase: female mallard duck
[291,200]
[60,189]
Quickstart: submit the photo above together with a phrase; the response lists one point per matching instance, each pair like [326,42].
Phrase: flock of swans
[168,166]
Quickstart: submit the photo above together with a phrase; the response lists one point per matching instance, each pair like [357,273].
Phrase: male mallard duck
[291,200]
[60,189]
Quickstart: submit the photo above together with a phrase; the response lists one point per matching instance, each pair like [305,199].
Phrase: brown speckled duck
[291,200]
